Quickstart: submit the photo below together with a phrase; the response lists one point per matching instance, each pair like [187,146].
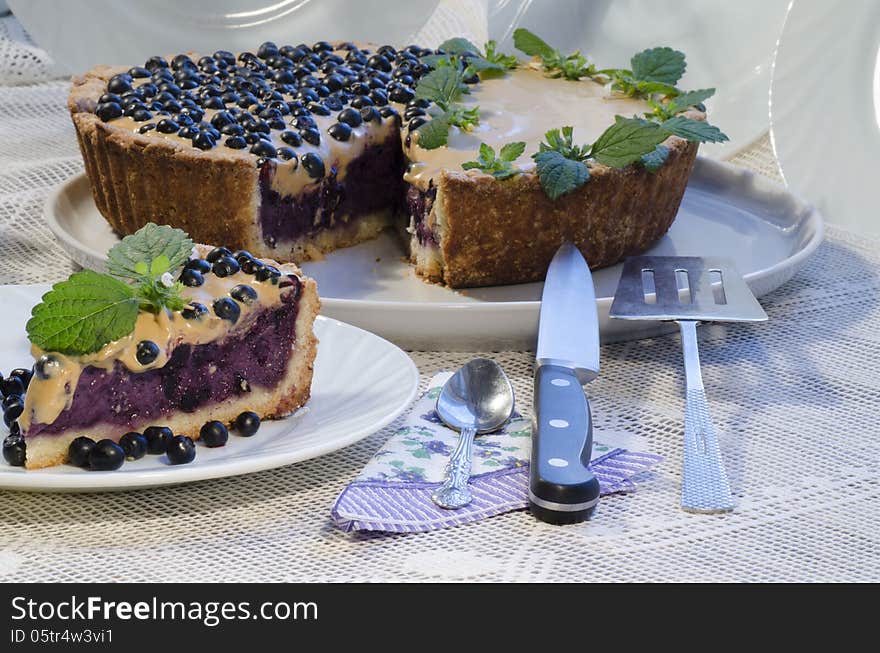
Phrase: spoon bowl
[478,398]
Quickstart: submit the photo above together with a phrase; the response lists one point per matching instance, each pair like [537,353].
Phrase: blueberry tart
[139,351]
[483,162]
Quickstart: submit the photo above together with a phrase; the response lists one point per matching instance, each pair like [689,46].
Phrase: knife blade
[562,489]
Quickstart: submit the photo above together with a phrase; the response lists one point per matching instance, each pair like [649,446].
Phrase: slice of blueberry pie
[174,337]
[483,162]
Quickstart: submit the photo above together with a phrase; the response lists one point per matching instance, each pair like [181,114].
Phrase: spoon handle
[454,492]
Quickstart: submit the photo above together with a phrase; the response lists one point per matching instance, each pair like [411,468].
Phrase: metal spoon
[478,398]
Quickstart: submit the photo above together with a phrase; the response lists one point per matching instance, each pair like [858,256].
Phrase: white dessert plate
[361,384]
[726,212]
[825,108]
[80,34]
[729,46]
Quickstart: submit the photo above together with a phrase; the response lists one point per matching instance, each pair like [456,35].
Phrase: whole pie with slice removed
[217,335]
[296,151]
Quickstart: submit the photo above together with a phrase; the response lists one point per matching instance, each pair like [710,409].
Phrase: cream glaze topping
[290,177]
[47,398]
[522,106]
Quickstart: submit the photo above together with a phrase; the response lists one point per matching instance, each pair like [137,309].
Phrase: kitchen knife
[562,490]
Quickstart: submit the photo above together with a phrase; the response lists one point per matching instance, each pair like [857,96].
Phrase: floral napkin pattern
[393,492]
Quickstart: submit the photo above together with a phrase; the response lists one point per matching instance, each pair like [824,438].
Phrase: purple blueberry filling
[419,204]
[373,182]
[194,376]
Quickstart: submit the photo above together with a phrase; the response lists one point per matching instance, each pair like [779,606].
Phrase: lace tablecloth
[795,400]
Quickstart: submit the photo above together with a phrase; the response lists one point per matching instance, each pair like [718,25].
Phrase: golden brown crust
[501,232]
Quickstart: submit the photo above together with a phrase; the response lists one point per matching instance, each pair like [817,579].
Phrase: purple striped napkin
[393,492]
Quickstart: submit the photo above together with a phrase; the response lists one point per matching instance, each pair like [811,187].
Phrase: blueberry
[303,122]
[14,450]
[311,135]
[267,49]
[340,131]
[225,266]
[108,111]
[263,148]
[252,266]
[141,115]
[214,434]
[400,93]
[286,154]
[217,253]
[13,407]
[181,450]
[110,97]
[322,46]
[167,126]
[232,130]
[134,445]
[227,309]
[242,255]
[204,141]
[412,112]
[198,264]
[314,165]
[106,456]
[194,311]
[119,84]
[23,375]
[11,386]
[334,102]
[379,97]
[267,272]
[319,109]
[416,122]
[244,294]
[9,420]
[214,102]
[236,143]
[388,111]
[247,424]
[371,114]
[351,117]
[191,278]
[361,101]
[291,138]
[158,438]
[147,352]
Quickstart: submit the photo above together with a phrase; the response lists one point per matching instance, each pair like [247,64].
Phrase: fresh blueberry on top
[106,456]
[204,141]
[232,130]
[78,451]
[191,278]
[244,294]
[134,445]
[291,138]
[167,126]
[181,450]
[351,117]
[286,154]
[252,265]
[263,148]
[416,122]
[198,264]
[214,434]
[158,438]
[412,112]
[267,272]
[110,97]
[119,84]
[155,63]
[147,352]
[217,253]
[11,387]
[226,265]
[242,255]
[236,142]
[108,111]
[318,109]
[247,424]
[46,366]
[194,311]
[400,93]
[340,131]
[14,450]
[311,135]
[379,97]
[214,102]
[314,165]
[13,407]
[371,114]
[333,102]
[226,309]
[141,115]
[23,375]
[267,49]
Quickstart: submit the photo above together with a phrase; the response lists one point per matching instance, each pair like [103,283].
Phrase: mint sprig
[82,314]
[501,165]
[489,63]
[89,310]
[555,64]
[444,86]
[560,163]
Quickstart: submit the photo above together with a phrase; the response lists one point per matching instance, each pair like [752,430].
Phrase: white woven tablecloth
[795,400]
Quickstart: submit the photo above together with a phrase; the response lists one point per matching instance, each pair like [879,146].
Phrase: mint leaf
[493,56]
[512,151]
[559,175]
[693,98]
[663,65]
[653,161]
[434,133]
[531,44]
[561,141]
[459,45]
[696,131]
[443,85]
[145,245]
[82,314]
[626,141]
[501,166]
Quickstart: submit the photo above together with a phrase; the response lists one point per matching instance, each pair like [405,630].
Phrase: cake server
[562,489]
[689,290]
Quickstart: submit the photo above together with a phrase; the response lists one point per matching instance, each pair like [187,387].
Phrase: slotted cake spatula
[689,290]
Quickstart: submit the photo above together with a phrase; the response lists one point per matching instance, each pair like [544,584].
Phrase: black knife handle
[562,490]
